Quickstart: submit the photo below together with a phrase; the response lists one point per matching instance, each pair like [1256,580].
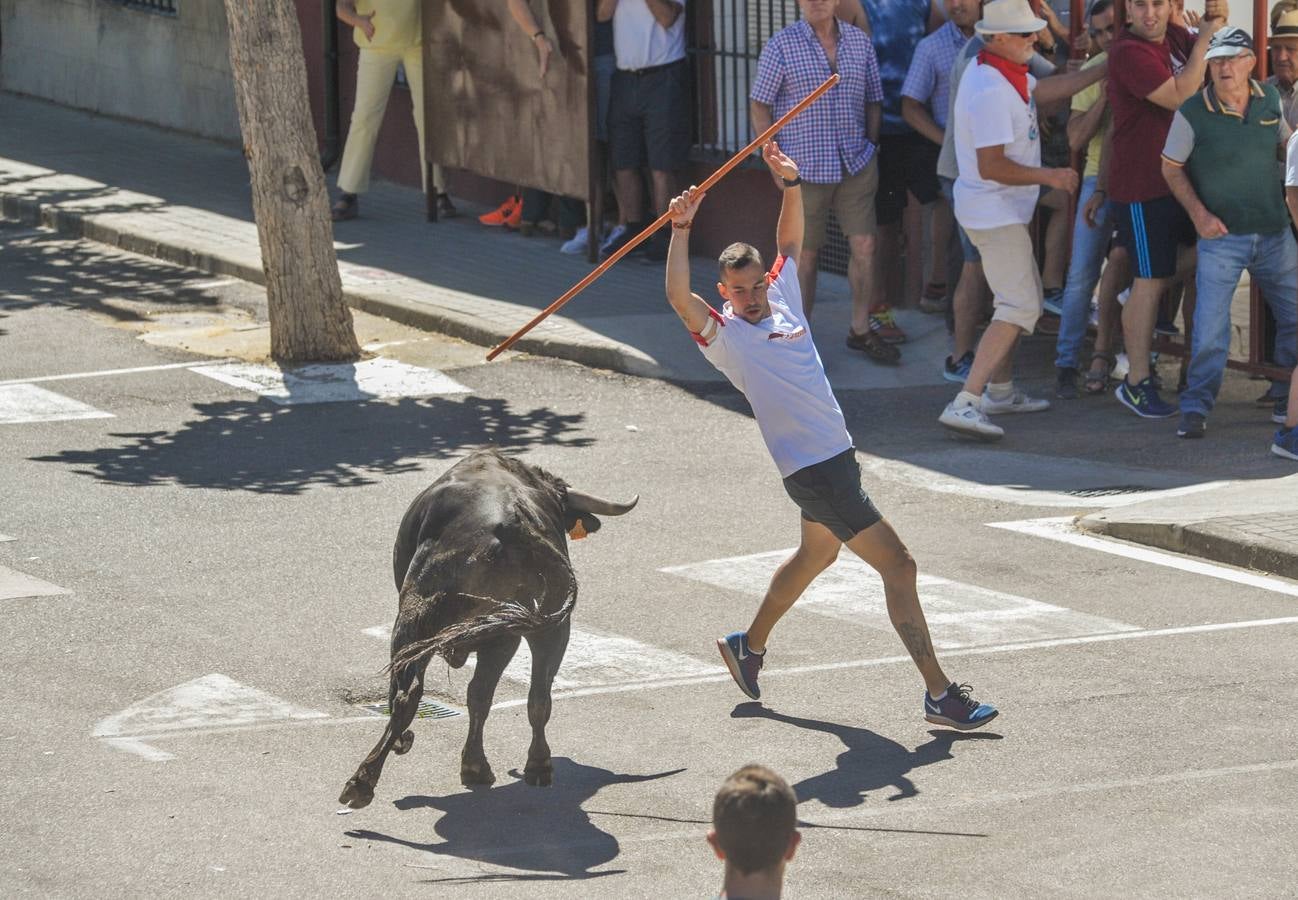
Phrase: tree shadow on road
[543,832]
[869,763]
[243,445]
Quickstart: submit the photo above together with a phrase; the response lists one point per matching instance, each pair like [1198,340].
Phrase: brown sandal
[1098,382]
[870,344]
[347,207]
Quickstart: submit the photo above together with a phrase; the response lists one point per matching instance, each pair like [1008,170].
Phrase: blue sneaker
[1143,400]
[1286,443]
[1280,411]
[743,663]
[957,372]
[957,709]
[1052,300]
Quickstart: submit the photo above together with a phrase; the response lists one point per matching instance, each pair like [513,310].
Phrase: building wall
[97,55]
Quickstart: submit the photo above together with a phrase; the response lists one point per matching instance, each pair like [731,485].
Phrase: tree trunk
[308,318]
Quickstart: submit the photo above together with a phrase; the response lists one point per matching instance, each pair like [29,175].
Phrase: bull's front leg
[547,653]
[403,701]
[492,659]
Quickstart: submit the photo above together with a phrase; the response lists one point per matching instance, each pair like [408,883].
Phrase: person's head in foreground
[754,831]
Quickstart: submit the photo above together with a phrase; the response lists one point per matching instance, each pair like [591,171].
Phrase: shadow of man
[522,827]
[869,763]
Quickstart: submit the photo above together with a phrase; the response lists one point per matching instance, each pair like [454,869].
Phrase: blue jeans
[1272,261]
[1090,246]
[971,254]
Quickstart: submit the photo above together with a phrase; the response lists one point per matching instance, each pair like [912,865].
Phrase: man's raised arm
[688,305]
[792,223]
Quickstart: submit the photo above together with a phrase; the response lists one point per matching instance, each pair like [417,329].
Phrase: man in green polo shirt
[1220,162]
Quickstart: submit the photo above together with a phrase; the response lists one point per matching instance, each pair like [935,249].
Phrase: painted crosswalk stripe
[209,703]
[959,614]
[16,585]
[24,403]
[372,379]
[598,659]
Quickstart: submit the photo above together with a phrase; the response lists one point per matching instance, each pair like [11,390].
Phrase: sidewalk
[186,200]
[1249,524]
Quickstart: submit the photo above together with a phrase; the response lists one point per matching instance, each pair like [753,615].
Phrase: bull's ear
[583,525]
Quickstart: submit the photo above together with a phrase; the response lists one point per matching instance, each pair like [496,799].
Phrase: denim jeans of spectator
[1090,245]
[1272,261]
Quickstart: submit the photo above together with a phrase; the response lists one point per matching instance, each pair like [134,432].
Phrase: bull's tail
[511,618]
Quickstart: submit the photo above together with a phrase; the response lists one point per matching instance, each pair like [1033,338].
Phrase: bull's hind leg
[547,653]
[492,659]
[403,699]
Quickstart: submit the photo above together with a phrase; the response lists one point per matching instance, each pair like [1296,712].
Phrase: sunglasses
[1096,32]
[1024,34]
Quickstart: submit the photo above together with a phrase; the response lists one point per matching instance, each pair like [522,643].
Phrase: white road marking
[1027,479]
[24,403]
[959,615]
[335,382]
[1061,528]
[208,703]
[596,659]
[15,585]
[104,372]
[1022,646]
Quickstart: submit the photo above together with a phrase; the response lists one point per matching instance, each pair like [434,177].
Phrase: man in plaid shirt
[834,143]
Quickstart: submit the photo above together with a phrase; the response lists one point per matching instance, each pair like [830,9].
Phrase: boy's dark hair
[755,814]
[738,256]
[1099,7]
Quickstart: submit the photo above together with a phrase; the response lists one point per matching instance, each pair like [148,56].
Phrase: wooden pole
[663,219]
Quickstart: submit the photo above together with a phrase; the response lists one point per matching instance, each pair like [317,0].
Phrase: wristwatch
[791,183]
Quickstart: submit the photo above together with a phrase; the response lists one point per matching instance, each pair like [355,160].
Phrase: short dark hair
[738,256]
[755,814]
[1099,8]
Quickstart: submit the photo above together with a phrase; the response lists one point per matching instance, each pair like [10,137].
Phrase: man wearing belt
[649,108]
[761,342]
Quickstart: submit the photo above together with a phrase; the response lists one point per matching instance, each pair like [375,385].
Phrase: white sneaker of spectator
[611,238]
[964,416]
[1121,366]
[1011,400]
[577,243]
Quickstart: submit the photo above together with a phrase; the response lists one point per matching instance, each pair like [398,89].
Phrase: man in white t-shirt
[761,341]
[998,148]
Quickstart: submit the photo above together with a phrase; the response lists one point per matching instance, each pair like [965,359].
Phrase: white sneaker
[577,243]
[1120,368]
[1017,402]
[971,421]
[611,238]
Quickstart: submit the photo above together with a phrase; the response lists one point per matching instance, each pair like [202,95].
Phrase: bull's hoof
[356,794]
[404,743]
[476,773]
[539,774]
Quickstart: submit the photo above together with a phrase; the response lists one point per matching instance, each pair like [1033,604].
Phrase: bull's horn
[587,503]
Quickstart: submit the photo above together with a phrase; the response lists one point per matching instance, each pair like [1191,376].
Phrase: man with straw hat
[761,341]
[1283,42]
[998,145]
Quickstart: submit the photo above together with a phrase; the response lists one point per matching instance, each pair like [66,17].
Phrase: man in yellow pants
[389,33]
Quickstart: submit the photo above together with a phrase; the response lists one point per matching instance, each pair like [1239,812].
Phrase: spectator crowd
[967,117]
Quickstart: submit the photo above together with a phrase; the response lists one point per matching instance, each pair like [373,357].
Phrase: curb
[612,356]
[1206,540]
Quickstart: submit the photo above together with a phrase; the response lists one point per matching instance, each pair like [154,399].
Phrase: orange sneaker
[501,215]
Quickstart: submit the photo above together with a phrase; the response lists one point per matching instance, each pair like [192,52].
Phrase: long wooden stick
[663,219]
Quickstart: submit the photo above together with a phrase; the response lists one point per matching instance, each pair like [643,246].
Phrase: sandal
[871,345]
[347,207]
[1097,382]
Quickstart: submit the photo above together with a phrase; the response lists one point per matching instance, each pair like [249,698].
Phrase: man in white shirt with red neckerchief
[761,342]
[998,144]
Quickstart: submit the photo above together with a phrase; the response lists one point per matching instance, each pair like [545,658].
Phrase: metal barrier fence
[727,38]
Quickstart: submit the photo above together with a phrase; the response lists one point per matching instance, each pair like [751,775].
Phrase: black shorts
[907,162]
[1151,231]
[830,494]
[649,118]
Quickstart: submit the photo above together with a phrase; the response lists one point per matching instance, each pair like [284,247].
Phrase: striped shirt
[929,77]
[828,138]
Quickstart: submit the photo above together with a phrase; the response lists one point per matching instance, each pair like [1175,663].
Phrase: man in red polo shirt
[1154,67]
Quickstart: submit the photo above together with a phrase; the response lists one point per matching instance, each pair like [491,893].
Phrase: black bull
[481,559]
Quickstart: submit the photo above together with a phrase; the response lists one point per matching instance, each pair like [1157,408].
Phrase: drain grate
[428,709]
[1107,491]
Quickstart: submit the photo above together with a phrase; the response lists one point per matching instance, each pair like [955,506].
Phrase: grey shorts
[830,494]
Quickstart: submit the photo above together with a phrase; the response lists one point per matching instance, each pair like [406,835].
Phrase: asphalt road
[198,580]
